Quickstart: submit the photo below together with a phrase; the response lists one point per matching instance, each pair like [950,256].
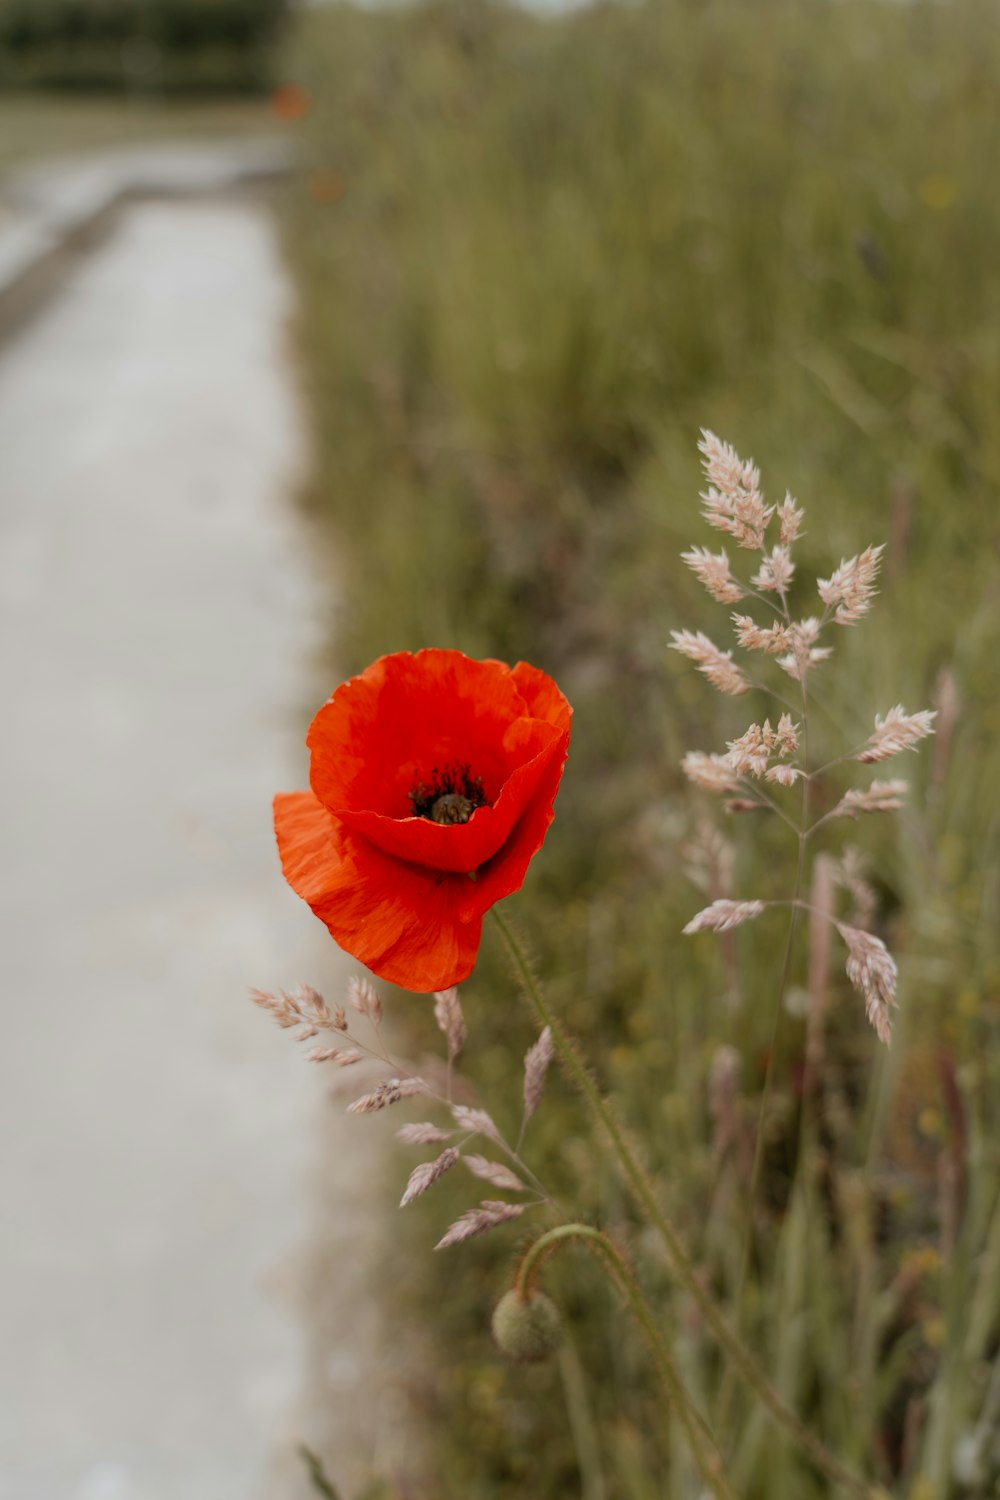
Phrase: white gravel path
[159,621]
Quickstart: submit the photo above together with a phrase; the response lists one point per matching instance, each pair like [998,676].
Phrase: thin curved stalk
[682,1267]
[696,1430]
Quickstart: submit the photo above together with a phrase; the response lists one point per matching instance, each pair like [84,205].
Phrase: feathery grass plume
[713,772]
[722,915]
[872,970]
[495,1173]
[717,665]
[487,1216]
[476,1120]
[279,1006]
[428,1172]
[783,775]
[343,1059]
[448,1015]
[536,1065]
[804,654]
[714,571]
[305,1009]
[786,736]
[850,589]
[773,639]
[311,1001]
[733,501]
[881,796]
[362,995]
[749,755]
[790,518]
[775,572]
[897,732]
[387,1093]
[422,1133]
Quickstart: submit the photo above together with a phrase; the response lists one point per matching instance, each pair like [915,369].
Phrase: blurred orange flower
[290,102]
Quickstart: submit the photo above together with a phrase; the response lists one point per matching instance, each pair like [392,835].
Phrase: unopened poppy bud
[527,1328]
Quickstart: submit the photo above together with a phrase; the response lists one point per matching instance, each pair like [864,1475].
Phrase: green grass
[34,125]
[551,252]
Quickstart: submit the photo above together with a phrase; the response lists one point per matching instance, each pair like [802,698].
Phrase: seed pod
[527,1328]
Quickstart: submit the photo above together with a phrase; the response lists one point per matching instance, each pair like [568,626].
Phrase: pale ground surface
[160,619]
[42,205]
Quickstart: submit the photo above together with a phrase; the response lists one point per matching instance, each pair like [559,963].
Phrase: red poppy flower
[433,778]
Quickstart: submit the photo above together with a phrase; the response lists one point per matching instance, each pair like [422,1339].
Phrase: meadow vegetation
[535,258]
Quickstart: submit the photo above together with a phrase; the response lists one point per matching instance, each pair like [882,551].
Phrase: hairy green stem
[682,1267]
[696,1429]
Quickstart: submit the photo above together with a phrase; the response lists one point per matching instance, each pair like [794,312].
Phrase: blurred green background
[536,256]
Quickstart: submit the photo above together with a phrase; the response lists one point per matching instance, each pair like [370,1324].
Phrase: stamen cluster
[452,795]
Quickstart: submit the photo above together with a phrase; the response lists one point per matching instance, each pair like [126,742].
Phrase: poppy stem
[697,1431]
[642,1190]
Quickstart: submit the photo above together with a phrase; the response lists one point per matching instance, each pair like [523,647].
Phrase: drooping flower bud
[527,1328]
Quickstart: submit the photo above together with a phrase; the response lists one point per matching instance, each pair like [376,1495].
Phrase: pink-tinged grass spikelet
[422,1133]
[717,665]
[897,732]
[476,1120]
[536,1065]
[713,772]
[448,1014]
[428,1172]
[722,915]
[495,1173]
[881,796]
[790,518]
[850,589]
[733,501]
[479,1220]
[385,1094]
[775,574]
[715,573]
[872,970]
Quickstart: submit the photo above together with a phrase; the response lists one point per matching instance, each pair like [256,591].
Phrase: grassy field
[535,258]
[36,125]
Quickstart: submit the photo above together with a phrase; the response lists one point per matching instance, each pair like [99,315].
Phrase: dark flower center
[451,797]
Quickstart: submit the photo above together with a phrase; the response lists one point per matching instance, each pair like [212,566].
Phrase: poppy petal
[402,922]
[504,873]
[402,717]
[543,698]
